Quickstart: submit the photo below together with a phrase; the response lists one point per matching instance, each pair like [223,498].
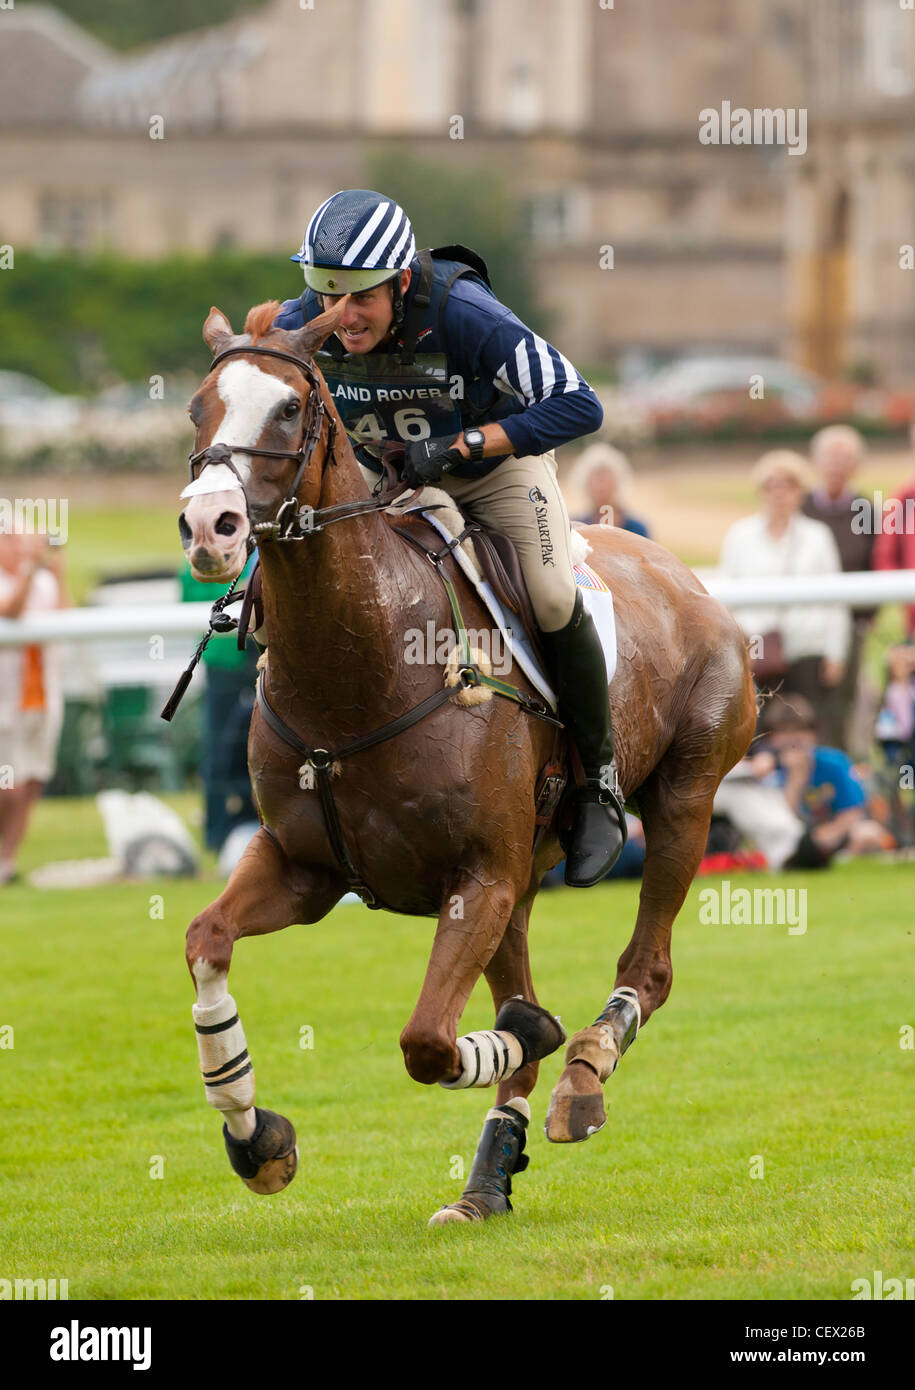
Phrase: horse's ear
[308,339]
[217,331]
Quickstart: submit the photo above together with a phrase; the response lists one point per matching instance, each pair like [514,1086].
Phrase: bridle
[288,523]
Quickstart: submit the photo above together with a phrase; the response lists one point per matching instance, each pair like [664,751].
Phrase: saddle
[497,559]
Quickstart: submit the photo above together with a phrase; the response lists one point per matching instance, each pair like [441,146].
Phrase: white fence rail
[105,623]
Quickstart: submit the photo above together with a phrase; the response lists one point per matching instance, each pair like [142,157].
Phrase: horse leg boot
[500,1152]
[598,832]
[261,1145]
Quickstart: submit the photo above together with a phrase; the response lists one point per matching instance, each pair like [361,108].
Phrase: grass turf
[779,1046]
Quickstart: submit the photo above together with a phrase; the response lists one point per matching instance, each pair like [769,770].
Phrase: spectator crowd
[825,775]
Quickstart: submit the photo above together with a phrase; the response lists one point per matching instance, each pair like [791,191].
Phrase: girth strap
[322,761]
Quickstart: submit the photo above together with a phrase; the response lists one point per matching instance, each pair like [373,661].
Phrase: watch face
[475,441]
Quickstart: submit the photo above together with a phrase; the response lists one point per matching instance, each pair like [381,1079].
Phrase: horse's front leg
[264,894]
[471,927]
[500,1152]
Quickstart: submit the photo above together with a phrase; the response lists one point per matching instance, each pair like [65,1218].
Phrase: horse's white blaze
[250,397]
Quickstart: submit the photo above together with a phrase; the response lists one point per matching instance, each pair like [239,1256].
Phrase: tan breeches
[521,498]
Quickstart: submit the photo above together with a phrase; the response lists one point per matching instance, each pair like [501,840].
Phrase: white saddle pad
[597,597]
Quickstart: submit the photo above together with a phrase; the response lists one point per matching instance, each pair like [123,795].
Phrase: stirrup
[589,858]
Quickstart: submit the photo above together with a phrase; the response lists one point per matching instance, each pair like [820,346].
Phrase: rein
[287,527]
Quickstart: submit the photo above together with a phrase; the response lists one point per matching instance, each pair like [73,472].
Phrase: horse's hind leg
[676,806]
[263,895]
[500,1152]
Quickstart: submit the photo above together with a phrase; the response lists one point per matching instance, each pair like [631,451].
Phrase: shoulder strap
[418,306]
[470,264]
[446,290]
[464,254]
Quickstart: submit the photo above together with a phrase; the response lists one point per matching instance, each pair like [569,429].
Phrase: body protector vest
[411,390]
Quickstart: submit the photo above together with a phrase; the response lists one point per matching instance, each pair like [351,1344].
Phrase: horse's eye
[291,410]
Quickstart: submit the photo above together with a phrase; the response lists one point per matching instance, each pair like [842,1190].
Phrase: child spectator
[821,785]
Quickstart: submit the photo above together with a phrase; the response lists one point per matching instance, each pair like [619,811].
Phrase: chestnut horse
[439,818]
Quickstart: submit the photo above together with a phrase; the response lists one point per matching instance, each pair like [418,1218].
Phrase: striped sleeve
[559,405]
[536,371]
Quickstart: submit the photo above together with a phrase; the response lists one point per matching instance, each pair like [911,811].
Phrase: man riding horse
[426,355]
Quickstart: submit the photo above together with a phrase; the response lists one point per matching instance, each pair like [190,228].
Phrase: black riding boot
[599,829]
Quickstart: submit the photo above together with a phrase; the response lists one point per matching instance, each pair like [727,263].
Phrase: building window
[888,71]
[522,100]
[556,217]
[72,223]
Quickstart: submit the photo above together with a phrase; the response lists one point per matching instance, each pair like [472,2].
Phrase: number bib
[381,400]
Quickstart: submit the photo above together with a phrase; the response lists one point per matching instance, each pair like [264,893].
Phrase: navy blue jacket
[474,362]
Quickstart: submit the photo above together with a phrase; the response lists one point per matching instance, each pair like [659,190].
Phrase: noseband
[283,526]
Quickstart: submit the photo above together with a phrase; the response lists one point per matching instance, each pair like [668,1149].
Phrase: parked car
[26,402]
[697,393]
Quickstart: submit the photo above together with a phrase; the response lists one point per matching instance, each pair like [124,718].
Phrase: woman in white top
[780,540]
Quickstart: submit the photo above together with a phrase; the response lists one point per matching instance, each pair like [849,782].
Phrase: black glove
[426,460]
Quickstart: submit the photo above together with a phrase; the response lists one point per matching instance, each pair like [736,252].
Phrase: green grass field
[772,1045]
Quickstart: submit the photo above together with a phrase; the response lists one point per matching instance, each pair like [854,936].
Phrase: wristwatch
[475,441]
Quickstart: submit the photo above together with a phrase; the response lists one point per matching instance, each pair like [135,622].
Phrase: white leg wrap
[486,1058]
[228,1076]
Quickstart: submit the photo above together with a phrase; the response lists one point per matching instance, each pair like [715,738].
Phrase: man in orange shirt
[31,699]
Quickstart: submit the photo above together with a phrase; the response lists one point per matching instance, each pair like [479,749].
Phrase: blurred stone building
[591,113]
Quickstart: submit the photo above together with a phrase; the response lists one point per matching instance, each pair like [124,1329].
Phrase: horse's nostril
[227,524]
[184,531]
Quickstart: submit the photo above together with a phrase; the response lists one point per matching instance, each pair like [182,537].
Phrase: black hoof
[267,1161]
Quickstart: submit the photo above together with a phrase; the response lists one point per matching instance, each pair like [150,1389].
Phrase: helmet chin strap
[398,302]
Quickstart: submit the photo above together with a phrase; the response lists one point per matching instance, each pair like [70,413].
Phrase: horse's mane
[260,319]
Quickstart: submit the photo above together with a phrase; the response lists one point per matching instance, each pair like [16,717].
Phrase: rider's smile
[368,317]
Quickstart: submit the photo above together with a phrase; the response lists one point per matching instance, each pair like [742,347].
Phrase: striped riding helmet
[357,239]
